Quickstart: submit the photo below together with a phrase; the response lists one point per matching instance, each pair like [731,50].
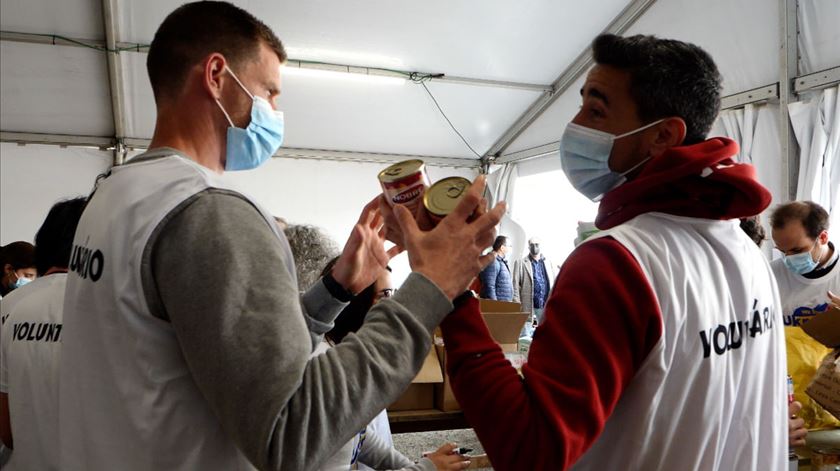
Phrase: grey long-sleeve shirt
[218,273]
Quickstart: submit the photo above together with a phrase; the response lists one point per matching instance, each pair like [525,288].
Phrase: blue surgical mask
[585,155]
[250,147]
[800,263]
[21,281]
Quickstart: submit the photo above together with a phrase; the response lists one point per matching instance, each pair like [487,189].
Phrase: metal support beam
[817,80]
[788,69]
[62,140]
[115,78]
[112,48]
[619,25]
[756,95]
[109,143]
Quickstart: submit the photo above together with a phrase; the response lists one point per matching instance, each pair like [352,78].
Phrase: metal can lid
[401,170]
[442,197]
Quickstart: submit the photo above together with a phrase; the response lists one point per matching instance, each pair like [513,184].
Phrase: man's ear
[669,133]
[214,69]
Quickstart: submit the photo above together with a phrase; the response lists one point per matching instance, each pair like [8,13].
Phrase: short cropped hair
[668,78]
[195,30]
[499,242]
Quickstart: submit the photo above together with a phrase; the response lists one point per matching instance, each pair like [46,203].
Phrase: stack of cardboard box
[825,387]
[431,388]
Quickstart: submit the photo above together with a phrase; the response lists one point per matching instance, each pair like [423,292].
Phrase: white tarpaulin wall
[50,86]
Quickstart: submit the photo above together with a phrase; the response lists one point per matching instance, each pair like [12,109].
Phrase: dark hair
[195,30]
[18,254]
[352,317]
[752,226]
[812,216]
[668,78]
[499,242]
[54,240]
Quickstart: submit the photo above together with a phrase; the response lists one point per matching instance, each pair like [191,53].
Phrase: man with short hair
[533,277]
[186,343]
[807,274]
[662,345]
[496,281]
[31,346]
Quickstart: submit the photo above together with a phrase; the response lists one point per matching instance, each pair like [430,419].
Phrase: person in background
[496,281]
[17,260]
[753,228]
[187,344]
[31,346]
[533,277]
[372,448]
[796,425]
[627,369]
[808,275]
[311,248]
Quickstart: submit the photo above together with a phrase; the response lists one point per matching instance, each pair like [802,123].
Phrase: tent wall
[33,178]
[327,194]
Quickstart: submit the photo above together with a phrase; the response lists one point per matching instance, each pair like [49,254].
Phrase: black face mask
[534,249]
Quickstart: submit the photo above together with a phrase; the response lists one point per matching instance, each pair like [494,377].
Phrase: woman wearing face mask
[18,262]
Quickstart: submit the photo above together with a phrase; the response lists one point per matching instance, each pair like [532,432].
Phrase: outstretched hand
[450,254]
[364,256]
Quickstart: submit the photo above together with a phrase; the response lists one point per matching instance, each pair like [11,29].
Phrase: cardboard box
[421,393]
[505,321]
[825,387]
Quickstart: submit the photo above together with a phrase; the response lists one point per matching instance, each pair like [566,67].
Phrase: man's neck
[828,255]
[536,257]
[188,134]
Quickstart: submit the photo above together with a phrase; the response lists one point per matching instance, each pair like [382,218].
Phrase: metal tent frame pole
[619,25]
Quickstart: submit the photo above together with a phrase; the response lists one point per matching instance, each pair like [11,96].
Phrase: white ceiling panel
[819,35]
[550,125]
[337,114]
[139,103]
[54,89]
[397,118]
[741,36]
[492,39]
[73,18]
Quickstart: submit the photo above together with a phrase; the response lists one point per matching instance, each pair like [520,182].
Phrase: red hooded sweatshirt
[579,365]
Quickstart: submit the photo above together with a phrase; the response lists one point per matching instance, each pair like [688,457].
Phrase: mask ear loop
[237,81]
[241,86]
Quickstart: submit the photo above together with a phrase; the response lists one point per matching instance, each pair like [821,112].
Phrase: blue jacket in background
[496,282]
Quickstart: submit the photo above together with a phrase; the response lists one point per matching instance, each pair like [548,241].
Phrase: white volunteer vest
[128,400]
[711,394]
[31,349]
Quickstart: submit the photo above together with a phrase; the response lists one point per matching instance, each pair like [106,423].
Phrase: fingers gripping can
[405,183]
[442,197]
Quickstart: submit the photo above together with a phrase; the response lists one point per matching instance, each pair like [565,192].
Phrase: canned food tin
[405,183]
[442,197]
[791,398]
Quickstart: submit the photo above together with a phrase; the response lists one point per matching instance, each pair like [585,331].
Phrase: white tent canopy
[506,75]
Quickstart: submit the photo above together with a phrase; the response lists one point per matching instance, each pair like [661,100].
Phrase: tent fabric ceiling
[532,42]
[54,89]
[492,39]
[73,18]
[819,36]
[745,48]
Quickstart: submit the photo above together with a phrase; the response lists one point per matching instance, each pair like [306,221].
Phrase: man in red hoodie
[662,346]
